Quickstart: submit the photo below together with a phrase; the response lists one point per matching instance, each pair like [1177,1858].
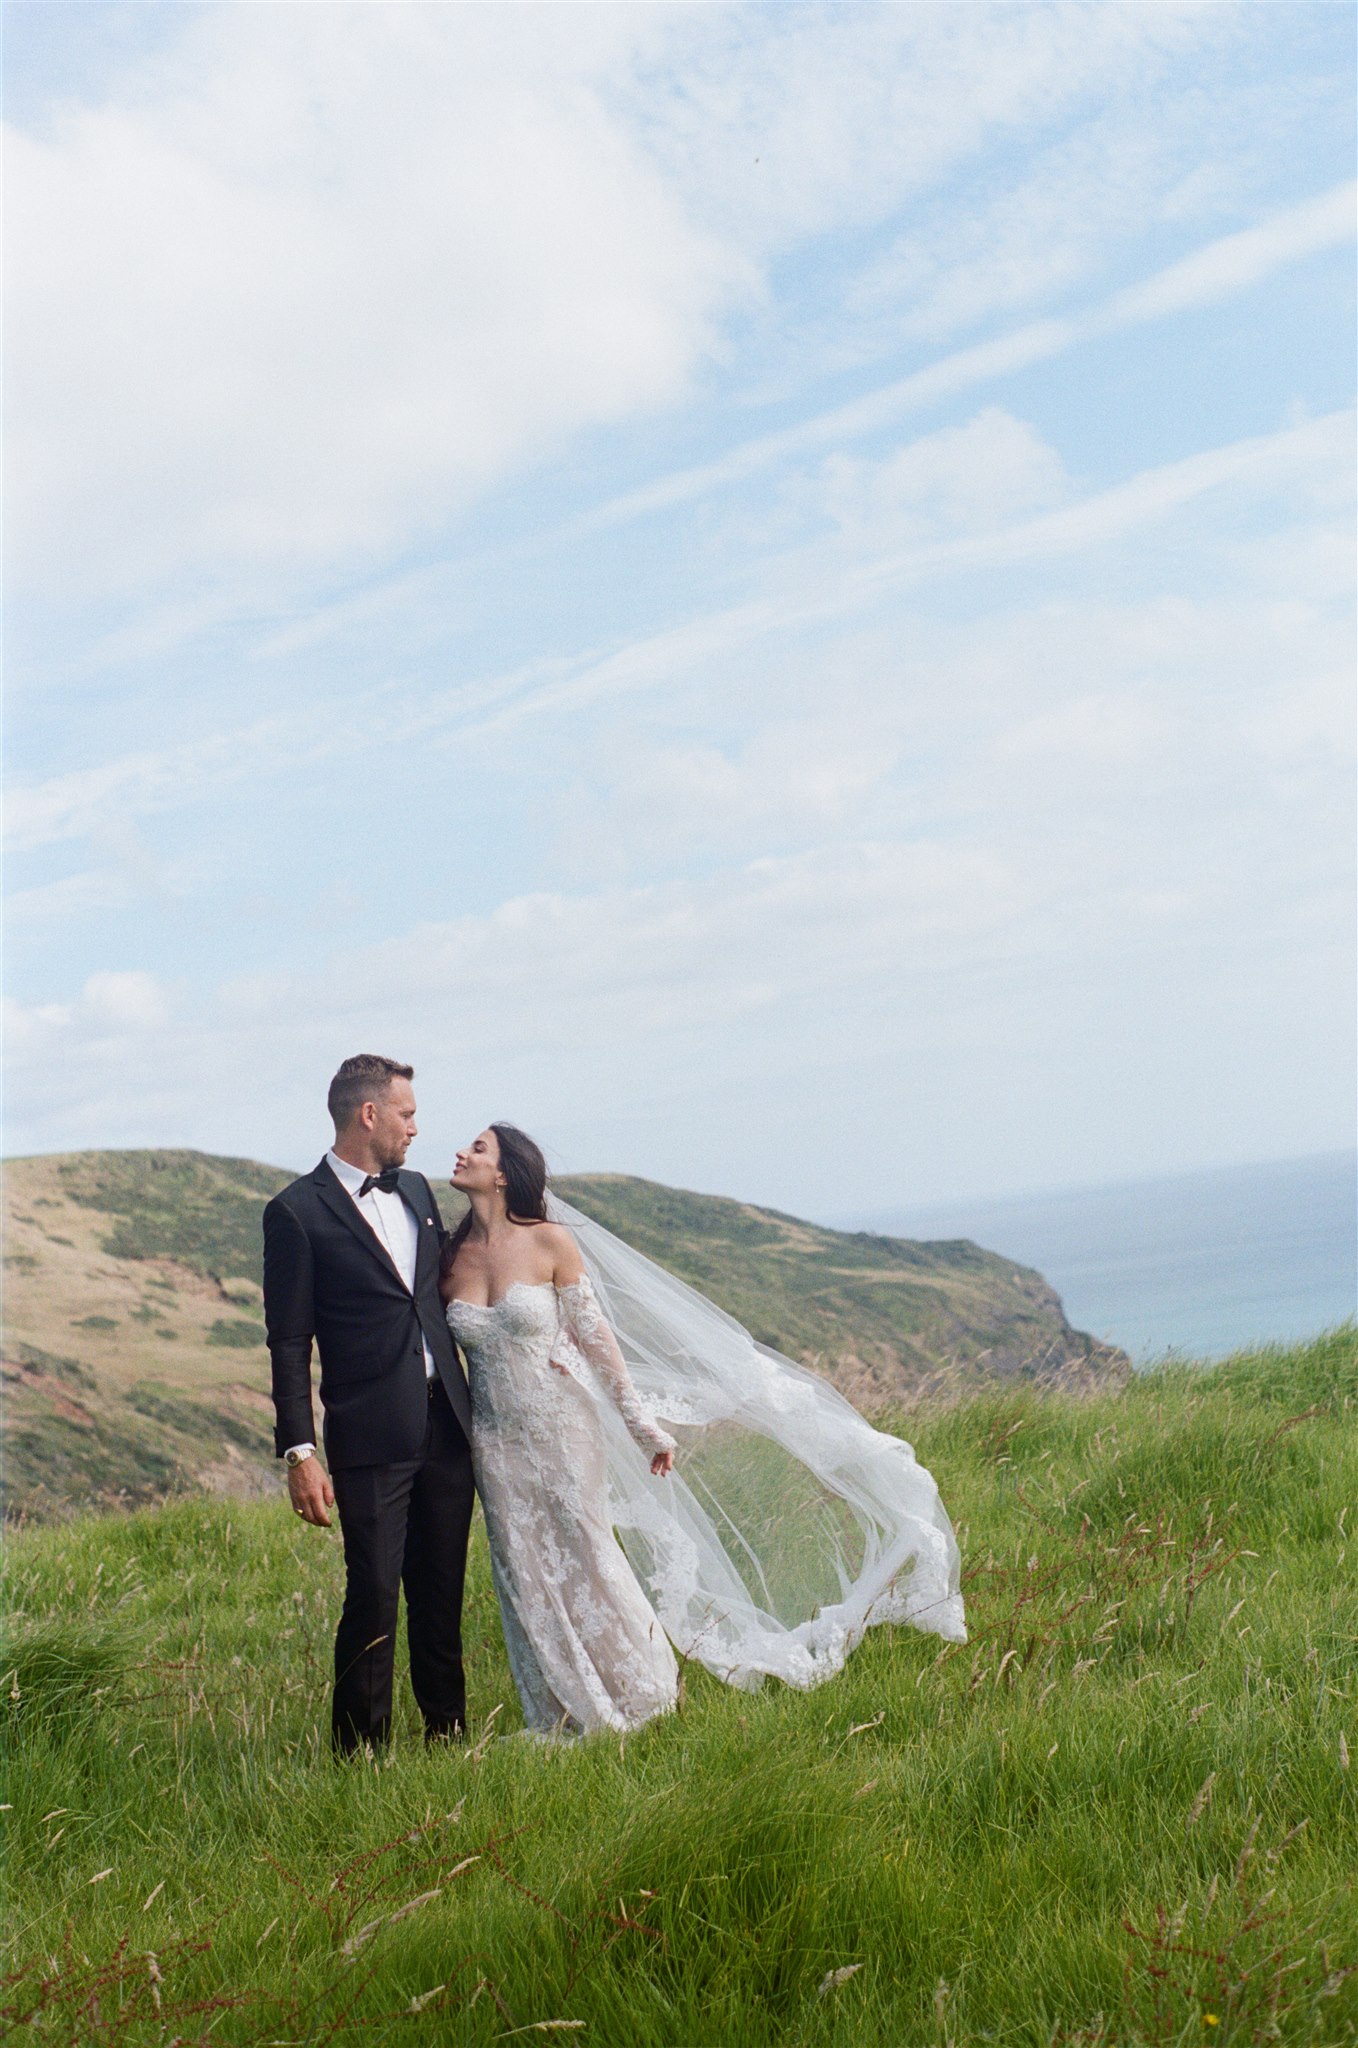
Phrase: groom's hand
[310,1492]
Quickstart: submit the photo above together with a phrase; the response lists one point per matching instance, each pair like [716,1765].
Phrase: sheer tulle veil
[789,1525]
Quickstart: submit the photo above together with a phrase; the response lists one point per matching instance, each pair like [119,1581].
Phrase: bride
[788,1528]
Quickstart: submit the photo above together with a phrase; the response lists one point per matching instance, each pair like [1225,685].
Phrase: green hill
[883,1317]
[134,1361]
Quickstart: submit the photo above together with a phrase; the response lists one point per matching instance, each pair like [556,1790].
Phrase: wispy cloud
[815,585]
[278,358]
[420,645]
[87,800]
[1236,263]
[488,233]
[1230,264]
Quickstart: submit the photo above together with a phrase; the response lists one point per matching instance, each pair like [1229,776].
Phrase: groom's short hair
[364,1078]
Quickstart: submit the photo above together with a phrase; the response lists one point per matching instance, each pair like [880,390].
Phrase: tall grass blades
[1122,1815]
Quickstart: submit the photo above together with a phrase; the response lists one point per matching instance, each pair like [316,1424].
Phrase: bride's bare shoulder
[567,1264]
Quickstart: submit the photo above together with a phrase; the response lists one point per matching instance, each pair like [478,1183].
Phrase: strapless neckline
[456,1300]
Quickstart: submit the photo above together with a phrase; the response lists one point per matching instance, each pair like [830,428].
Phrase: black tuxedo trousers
[404,1523]
[396,1441]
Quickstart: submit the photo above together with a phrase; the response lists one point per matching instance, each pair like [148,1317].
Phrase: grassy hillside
[880,1315]
[1124,1814]
[134,1360]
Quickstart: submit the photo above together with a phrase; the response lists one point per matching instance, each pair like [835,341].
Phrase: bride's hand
[662,1464]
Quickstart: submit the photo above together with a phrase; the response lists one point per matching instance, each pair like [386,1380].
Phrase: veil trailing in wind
[789,1525]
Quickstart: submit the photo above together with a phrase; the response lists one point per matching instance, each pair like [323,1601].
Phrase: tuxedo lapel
[415,1194]
[341,1204]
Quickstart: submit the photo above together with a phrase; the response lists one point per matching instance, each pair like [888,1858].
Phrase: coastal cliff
[134,1362]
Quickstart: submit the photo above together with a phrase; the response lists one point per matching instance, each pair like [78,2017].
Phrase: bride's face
[478,1166]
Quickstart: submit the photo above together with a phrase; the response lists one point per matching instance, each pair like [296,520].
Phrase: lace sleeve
[588,1326]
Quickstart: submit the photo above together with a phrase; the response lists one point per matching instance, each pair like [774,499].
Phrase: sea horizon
[1198,1264]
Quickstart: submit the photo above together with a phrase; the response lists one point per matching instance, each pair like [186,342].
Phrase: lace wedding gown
[789,1527]
[585,1647]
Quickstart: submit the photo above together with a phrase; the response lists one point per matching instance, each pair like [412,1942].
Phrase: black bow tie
[387,1182]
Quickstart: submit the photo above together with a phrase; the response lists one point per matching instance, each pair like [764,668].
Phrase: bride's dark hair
[525,1172]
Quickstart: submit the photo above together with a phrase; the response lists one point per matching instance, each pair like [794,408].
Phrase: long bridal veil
[789,1525]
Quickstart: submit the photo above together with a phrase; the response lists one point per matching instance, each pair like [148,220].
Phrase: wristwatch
[292,1459]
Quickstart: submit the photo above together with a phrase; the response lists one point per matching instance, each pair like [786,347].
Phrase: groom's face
[394,1123]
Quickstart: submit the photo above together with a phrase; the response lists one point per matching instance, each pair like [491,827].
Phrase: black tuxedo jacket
[329,1277]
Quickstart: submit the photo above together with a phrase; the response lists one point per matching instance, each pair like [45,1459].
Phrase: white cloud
[617,979]
[1094,731]
[1233,262]
[749,1031]
[1000,250]
[819,584]
[656,803]
[1288,460]
[923,791]
[1308,717]
[286,299]
[1145,162]
[298,294]
[676,957]
[91,800]
[961,479]
[968,474]
[114,1005]
[129,1000]
[784,126]
[72,896]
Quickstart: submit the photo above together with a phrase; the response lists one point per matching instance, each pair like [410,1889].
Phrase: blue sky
[766,591]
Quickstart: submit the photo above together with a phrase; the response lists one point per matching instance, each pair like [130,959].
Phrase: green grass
[1124,1813]
[192,1207]
[139,1452]
[236,1333]
[46,1363]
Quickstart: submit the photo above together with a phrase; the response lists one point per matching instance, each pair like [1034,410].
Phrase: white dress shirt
[392,1224]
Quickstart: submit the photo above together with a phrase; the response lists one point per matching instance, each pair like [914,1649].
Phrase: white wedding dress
[585,1648]
[787,1528]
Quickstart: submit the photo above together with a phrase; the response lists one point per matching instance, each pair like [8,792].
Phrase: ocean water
[1198,1263]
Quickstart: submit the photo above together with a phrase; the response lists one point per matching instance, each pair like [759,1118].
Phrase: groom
[351,1261]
